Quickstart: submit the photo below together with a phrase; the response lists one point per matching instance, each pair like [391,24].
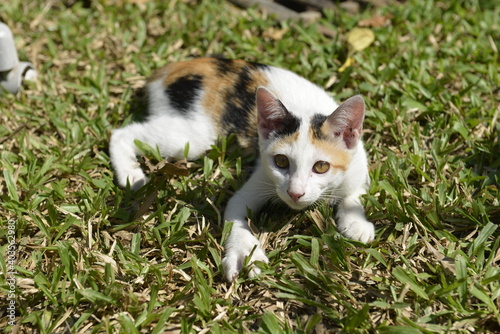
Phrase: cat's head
[306,159]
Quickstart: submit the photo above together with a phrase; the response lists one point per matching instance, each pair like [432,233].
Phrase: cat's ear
[346,121]
[271,113]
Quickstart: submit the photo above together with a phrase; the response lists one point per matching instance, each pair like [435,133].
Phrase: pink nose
[295,196]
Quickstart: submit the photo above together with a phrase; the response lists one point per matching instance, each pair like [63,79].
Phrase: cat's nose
[294,196]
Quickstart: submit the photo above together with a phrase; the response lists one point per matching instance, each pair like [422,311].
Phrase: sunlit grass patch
[92,257]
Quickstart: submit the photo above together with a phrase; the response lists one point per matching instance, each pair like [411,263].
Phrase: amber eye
[321,167]
[281,161]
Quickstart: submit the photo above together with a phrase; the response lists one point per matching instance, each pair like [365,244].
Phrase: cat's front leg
[351,220]
[241,242]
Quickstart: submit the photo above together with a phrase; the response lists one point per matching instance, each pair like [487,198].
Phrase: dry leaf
[360,38]
[375,21]
[331,81]
[166,168]
[275,34]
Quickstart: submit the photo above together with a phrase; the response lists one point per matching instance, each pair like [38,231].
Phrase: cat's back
[223,91]
[212,85]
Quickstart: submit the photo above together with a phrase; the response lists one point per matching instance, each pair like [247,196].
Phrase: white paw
[135,178]
[236,254]
[358,229]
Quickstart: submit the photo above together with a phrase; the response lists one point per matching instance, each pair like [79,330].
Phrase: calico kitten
[310,147]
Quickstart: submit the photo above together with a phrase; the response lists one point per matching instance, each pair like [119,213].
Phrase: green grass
[87,262]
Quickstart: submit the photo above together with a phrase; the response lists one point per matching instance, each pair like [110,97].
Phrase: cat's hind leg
[169,134]
[123,153]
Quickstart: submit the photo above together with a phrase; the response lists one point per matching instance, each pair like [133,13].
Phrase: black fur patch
[224,66]
[291,124]
[241,101]
[184,92]
[240,98]
[316,124]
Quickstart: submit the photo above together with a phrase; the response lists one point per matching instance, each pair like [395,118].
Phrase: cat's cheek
[285,198]
[282,186]
[278,177]
[334,181]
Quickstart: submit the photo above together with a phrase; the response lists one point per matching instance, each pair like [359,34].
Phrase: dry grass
[93,258]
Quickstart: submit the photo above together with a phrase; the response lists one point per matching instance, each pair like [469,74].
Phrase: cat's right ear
[271,113]
[346,121]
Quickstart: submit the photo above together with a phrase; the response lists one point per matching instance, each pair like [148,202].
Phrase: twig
[281,12]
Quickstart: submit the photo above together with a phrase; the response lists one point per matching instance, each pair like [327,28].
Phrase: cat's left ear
[346,121]
[272,115]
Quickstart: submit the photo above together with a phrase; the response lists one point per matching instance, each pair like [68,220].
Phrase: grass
[93,258]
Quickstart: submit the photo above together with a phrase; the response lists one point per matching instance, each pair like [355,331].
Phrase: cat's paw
[357,228]
[236,253]
[135,178]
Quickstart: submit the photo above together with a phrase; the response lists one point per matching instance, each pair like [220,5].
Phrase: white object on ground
[12,71]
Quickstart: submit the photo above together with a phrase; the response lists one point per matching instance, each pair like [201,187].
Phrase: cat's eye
[281,161]
[321,167]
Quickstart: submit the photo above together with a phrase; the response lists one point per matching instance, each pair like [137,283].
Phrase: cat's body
[308,152]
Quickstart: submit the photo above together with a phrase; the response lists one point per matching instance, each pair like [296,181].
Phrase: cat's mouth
[299,204]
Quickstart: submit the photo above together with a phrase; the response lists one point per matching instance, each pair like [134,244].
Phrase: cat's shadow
[138,105]
[272,217]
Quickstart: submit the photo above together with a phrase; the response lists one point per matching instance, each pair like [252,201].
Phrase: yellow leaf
[360,38]
[348,62]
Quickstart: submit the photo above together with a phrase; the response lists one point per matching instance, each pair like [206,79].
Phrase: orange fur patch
[339,156]
[218,83]
[286,141]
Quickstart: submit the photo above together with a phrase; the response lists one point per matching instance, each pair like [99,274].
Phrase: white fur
[166,129]
[170,131]
[300,96]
